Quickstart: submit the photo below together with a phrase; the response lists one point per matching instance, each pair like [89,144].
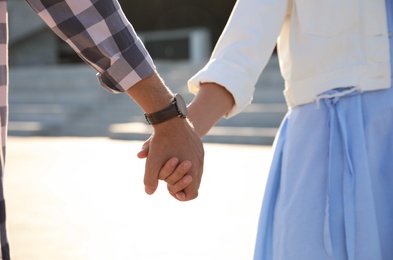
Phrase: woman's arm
[211,103]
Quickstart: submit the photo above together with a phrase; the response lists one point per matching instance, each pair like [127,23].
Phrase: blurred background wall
[53,93]
[159,15]
[31,42]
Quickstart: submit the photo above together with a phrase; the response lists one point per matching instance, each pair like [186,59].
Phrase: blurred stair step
[218,134]
[31,128]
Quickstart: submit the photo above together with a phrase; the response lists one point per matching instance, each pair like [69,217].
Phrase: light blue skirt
[330,189]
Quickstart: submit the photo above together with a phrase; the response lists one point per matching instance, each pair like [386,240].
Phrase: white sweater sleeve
[243,50]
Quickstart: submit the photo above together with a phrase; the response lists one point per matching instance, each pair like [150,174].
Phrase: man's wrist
[151,94]
[175,122]
[177,108]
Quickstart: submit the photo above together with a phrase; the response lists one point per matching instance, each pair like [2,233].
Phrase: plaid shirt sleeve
[101,35]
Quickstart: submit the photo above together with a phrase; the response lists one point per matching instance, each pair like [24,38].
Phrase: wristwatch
[177,108]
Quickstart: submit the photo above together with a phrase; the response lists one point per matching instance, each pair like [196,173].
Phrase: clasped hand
[174,153]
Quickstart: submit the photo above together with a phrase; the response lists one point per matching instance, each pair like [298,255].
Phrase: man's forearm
[151,94]
[101,35]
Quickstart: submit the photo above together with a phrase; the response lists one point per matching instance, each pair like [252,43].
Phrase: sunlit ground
[80,198]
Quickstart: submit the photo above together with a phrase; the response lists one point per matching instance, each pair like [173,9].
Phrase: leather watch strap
[162,115]
[177,108]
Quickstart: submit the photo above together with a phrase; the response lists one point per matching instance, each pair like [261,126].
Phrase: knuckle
[169,181]
[162,176]
[191,196]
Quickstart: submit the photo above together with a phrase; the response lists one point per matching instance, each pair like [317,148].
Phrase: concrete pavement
[82,198]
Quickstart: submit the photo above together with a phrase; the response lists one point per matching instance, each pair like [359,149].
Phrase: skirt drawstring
[339,135]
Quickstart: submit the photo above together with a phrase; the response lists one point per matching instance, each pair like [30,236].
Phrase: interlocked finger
[168,168]
[177,189]
[176,175]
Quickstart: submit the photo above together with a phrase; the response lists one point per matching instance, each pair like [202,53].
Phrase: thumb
[151,176]
[144,152]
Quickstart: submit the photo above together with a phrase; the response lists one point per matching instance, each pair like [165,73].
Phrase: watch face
[181,105]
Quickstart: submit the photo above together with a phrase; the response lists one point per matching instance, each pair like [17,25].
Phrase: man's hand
[173,138]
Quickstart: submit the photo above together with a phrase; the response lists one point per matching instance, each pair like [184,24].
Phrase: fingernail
[186,165]
[149,191]
[174,161]
[187,179]
[180,196]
